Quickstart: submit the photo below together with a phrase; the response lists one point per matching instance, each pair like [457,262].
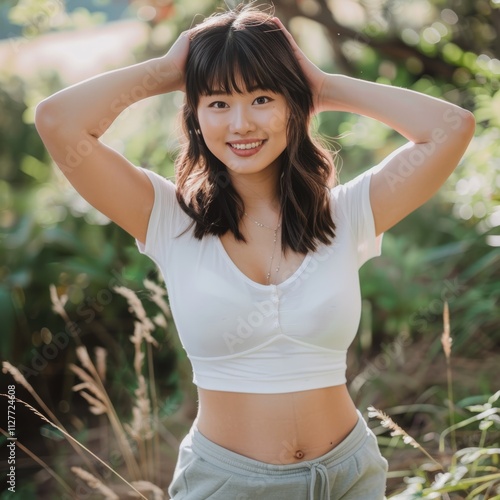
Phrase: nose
[241,120]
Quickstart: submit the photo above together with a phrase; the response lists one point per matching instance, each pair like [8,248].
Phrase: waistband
[316,468]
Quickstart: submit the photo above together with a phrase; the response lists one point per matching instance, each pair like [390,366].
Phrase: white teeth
[252,145]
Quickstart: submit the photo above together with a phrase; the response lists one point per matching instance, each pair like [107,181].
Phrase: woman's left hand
[315,76]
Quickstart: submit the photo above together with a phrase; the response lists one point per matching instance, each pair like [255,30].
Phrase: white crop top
[243,336]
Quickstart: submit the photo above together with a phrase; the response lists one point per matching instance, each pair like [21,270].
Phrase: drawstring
[319,471]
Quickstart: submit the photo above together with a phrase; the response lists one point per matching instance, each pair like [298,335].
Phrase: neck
[259,191]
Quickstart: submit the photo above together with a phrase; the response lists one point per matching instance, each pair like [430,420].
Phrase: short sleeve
[353,201]
[162,218]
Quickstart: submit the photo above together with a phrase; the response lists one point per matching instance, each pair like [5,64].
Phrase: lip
[246,152]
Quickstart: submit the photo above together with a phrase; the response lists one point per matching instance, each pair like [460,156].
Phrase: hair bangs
[235,68]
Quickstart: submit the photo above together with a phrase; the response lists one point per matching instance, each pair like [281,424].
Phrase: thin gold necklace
[275,231]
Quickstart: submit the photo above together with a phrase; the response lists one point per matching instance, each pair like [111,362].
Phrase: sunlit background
[446,251]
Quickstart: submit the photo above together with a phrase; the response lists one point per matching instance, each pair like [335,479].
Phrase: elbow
[462,124]
[469,125]
[45,117]
[455,132]
[461,132]
[465,132]
[52,120]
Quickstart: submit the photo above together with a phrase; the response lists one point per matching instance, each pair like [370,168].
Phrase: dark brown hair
[245,46]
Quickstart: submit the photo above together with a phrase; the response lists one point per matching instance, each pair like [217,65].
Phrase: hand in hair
[315,76]
[175,59]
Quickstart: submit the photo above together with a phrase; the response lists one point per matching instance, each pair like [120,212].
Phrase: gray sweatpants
[353,470]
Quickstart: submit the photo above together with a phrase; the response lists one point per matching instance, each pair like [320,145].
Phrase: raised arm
[71,122]
[438,133]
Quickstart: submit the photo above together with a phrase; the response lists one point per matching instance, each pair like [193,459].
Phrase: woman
[259,253]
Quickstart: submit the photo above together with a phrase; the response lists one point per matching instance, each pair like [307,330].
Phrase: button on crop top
[243,336]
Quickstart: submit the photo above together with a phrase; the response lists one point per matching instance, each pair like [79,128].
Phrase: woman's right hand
[175,60]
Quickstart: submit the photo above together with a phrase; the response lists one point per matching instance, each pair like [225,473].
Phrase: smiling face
[245,131]
[247,100]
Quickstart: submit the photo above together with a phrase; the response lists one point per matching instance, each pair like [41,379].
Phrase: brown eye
[262,100]
[218,105]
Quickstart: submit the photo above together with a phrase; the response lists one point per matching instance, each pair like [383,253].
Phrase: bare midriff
[280,428]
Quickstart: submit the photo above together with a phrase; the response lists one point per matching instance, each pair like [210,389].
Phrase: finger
[276,20]
[288,35]
[188,33]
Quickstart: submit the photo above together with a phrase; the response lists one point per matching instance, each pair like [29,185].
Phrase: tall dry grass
[138,440]
[469,473]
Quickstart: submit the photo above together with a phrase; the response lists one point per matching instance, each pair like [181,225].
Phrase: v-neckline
[291,278]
